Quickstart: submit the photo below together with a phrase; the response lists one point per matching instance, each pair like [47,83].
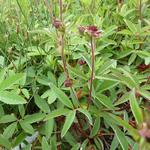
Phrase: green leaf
[114,143]
[87,59]
[27,127]
[21,110]
[76,147]
[125,32]
[74,97]
[126,125]
[4,142]
[77,72]
[132,59]
[28,147]
[10,81]
[2,74]
[109,31]
[48,128]
[18,139]
[61,96]
[45,145]
[41,103]
[87,114]
[104,68]
[137,113]
[131,26]
[95,128]
[25,93]
[105,101]
[124,98]
[11,98]
[7,118]
[106,85]
[56,113]
[34,118]
[53,143]
[124,54]
[121,137]
[98,143]
[52,97]
[68,122]
[9,131]
[70,138]
[145,93]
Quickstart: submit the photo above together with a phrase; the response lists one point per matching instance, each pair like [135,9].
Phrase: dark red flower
[145,131]
[143,67]
[81,62]
[58,24]
[68,82]
[93,31]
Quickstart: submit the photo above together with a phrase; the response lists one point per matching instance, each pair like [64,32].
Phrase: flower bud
[59,25]
[81,62]
[68,82]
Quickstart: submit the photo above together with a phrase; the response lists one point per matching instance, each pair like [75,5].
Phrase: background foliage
[33,98]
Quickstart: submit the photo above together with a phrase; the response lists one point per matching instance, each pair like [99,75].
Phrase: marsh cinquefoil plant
[73,85]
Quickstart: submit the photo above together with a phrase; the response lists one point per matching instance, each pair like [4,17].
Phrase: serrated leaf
[68,122]
[11,98]
[61,96]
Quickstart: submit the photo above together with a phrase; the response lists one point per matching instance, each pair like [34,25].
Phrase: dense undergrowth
[77,72]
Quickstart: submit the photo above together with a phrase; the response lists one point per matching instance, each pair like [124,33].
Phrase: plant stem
[140,10]
[60,6]
[92,73]
[63,56]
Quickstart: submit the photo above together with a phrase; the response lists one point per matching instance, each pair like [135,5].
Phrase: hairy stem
[92,73]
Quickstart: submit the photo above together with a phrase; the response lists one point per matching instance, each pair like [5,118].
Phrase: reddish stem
[63,57]
[92,73]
